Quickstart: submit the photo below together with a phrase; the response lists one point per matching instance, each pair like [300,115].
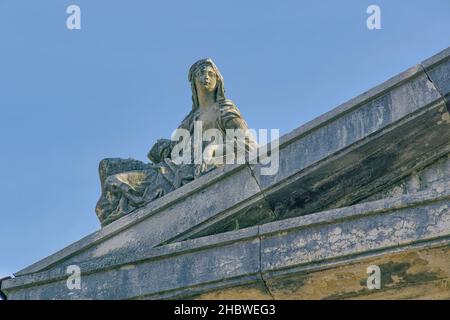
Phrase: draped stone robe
[128,184]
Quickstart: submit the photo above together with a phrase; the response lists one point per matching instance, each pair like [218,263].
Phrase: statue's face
[206,78]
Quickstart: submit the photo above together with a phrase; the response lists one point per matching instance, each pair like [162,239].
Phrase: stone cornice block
[254,256]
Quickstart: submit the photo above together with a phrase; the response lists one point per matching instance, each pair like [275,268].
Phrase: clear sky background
[69,98]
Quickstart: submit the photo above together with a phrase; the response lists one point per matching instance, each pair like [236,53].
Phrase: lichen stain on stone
[250,292]
[317,285]
[403,275]
[414,271]
[288,285]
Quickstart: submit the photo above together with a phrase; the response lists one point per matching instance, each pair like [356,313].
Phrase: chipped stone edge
[433,62]
[436,59]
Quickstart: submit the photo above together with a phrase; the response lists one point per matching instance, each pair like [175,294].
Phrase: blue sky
[69,98]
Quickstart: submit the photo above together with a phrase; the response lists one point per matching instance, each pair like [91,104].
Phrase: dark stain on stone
[400,270]
[289,284]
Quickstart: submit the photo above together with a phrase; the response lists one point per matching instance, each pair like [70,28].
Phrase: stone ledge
[256,256]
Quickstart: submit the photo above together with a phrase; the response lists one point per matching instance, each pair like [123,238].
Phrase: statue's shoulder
[228,108]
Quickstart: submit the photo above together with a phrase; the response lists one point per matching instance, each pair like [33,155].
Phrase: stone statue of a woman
[128,184]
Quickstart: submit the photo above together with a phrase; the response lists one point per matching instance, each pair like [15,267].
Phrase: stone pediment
[247,229]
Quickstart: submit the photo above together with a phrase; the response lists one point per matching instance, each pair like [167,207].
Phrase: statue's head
[204,75]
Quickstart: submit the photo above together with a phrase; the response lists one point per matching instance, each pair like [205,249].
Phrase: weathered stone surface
[283,249]
[261,258]
[362,151]
[434,176]
[253,291]
[180,266]
[187,211]
[389,144]
[357,119]
[421,273]
[357,149]
[418,273]
[338,159]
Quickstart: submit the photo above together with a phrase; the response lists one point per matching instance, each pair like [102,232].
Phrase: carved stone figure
[128,184]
